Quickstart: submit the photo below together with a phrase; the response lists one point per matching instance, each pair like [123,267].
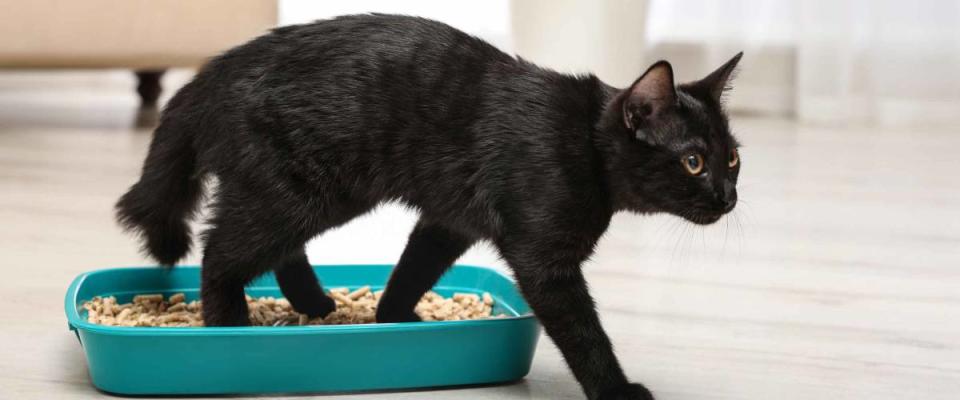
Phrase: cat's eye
[734,158]
[693,163]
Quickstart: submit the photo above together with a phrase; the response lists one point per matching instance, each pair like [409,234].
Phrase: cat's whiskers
[740,235]
[745,209]
[663,230]
[703,237]
[726,234]
[684,237]
[675,229]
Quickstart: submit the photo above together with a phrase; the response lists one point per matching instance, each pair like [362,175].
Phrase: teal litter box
[292,359]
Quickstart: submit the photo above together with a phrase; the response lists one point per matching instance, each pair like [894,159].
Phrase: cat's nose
[728,205]
[728,196]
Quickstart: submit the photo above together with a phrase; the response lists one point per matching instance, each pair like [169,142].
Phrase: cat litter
[356,307]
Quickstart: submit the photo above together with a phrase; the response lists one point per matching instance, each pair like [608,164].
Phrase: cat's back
[369,31]
[347,66]
[355,49]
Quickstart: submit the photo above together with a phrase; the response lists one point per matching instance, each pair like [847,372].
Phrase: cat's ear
[719,80]
[649,96]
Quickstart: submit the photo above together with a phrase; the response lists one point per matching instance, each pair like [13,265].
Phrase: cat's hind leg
[239,247]
[252,234]
[232,258]
[301,287]
[430,251]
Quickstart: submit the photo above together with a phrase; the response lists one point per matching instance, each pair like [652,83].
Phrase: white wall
[602,37]
[488,19]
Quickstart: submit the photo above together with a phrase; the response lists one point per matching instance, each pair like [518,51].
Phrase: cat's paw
[317,306]
[628,391]
[211,318]
[385,315]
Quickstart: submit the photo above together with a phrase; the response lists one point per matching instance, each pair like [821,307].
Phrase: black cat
[312,125]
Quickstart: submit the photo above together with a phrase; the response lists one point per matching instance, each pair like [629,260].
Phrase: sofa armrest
[138,34]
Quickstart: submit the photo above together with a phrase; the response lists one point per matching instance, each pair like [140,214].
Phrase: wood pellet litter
[356,307]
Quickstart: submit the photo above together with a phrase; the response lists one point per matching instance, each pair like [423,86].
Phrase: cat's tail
[160,205]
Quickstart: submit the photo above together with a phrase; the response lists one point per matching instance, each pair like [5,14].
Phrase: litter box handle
[75,332]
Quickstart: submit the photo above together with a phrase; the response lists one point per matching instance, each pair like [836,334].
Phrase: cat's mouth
[703,218]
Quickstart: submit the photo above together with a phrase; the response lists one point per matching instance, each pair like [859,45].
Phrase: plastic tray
[295,359]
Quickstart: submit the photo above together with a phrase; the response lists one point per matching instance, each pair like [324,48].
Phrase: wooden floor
[838,276]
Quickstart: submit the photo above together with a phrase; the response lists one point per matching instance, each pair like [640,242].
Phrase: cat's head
[670,146]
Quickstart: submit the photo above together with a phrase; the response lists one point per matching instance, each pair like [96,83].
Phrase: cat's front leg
[552,283]
[430,251]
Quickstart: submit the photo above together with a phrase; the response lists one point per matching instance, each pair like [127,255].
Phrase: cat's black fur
[312,125]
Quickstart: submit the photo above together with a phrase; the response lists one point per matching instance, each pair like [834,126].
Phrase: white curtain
[866,62]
